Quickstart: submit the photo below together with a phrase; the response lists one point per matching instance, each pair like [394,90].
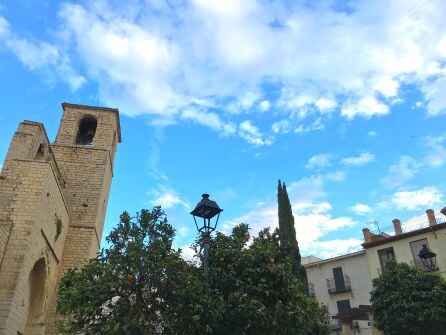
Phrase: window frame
[382,251]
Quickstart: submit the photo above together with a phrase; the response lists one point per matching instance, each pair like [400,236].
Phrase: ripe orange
[230,267]
[130,278]
[222,260]
[247,237]
[184,270]
[163,282]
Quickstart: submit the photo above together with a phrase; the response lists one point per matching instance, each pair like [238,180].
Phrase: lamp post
[206,209]
[428,258]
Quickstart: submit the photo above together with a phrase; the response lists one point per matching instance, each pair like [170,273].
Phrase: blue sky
[344,101]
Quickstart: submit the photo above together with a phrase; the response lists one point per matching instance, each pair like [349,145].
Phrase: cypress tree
[287,232]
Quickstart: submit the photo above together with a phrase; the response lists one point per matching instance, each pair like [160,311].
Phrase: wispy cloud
[366,107]
[399,173]
[252,134]
[426,197]
[319,161]
[41,56]
[436,155]
[361,209]
[166,198]
[313,218]
[281,127]
[336,176]
[336,247]
[362,159]
[316,125]
[156,59]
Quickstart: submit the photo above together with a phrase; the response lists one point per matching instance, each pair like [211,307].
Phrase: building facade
[341,283]
[344,283]
[53,200]
[403,242]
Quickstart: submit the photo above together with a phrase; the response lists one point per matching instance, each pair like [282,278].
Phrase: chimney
[397,227]
[367,235]
[431,217]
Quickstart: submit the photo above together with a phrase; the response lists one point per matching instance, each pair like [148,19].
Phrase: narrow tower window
[41,152]
[87,130]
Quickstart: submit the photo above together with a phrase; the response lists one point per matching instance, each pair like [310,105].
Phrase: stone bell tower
[53,200]
[84,150]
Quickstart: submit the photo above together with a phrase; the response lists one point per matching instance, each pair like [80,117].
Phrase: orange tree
[140,284]
[257,291]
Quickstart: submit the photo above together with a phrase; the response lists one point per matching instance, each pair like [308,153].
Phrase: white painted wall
[354,265]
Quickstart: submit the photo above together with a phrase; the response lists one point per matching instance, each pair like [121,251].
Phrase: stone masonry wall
[87,172]
[41,183]
[37,201]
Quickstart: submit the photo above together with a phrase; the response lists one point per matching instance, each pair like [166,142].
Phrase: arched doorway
[37,295]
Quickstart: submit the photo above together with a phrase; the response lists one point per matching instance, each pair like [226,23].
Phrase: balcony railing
[334,289]
[335,325]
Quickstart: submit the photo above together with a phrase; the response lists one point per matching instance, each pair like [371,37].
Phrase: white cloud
[399,173]
[158,59]
[335,176]
[319,161]
[33,55]
[325,105]
[388,87]
[188,254]
[436,155]
[372,133]
[362,159]
[308,189]
[265,105]
[313,218]
[436,98]
[361,209]
[209,119]
[423,198]
[166,198]
[4,26]
[281,127]
[41,56]
[367,107]
[314,126]
[252,134]
[245,102]
[333,248]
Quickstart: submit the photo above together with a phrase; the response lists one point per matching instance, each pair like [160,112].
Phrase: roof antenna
[375,222]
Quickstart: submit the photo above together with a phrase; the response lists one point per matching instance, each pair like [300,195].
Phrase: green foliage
[408,301]
[257,293]
[141,285]
[288,239]
[58,223]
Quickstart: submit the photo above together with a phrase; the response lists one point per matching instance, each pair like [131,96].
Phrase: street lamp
[206,209]
[428,258]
